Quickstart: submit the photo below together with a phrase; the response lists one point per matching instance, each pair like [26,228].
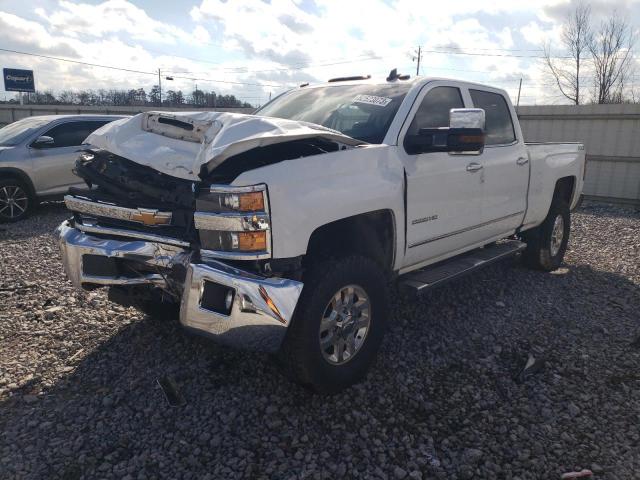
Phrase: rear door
[443,197]
[505,163]
[53,164]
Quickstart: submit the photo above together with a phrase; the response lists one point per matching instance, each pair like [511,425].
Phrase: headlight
[234,222]
[246,199]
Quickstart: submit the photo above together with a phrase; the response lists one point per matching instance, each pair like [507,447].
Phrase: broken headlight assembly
[234,222]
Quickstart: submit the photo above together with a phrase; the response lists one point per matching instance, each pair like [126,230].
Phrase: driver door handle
[474,167]
[522,161]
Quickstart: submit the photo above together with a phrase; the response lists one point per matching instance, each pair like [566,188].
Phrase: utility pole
[419,56]
[160,87]
[519,89]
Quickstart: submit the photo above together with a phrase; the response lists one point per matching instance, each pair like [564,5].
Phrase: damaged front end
[161,222]
[239,308]
[151,237]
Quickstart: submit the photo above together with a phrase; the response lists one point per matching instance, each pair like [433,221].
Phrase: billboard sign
[16,80]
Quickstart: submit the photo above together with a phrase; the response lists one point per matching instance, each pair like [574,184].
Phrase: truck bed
[549,162]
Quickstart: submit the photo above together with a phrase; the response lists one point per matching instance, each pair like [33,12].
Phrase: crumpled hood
[180,143]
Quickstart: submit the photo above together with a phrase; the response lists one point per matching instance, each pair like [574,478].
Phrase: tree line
[599,65]
[133,97]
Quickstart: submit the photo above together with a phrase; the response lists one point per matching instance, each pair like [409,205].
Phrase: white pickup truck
[280,231]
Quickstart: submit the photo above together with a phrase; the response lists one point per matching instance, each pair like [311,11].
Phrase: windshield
[359,111]
[16,132]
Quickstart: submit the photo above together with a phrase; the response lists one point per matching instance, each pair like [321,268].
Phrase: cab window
[498,123]
[434,109]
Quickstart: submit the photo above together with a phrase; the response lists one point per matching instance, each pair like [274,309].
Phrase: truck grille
[90,213]
[144,216]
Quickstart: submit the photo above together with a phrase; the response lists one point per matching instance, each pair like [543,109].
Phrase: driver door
[444,196]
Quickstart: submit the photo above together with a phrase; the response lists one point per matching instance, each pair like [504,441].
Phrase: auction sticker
[372,100]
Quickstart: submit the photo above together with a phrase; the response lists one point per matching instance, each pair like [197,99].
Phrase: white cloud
[111,17]
[274,42]
[201,34]
[536,34]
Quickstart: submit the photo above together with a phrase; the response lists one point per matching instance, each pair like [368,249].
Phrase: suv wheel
[338,324]
[15,200]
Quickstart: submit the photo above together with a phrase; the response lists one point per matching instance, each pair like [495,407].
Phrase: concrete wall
[11,113]
[611,134]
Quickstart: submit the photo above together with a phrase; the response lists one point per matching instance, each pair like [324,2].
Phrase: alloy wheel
[345,324]
[557,235]
[13,201]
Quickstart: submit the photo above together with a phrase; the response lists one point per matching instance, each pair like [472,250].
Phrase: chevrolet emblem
[151,218]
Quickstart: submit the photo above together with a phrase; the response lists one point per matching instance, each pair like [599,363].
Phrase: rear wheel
[338,325]
[15,201]
[547,243]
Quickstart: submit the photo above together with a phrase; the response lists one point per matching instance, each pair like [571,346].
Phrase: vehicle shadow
[449,373]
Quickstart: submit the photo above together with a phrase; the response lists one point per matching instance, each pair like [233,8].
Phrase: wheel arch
[371,234]
[565,189]
[10,172]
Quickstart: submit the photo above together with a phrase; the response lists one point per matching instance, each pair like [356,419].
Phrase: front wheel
[547,243]
[338,325]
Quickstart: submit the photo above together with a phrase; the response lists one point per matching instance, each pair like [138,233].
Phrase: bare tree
[67,97]
[611,48]
[576,39]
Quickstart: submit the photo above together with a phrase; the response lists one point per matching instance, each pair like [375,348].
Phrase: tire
[16,202]
[544,250]
[322,368]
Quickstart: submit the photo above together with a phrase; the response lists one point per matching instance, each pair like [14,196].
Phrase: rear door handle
[474,167]
[522,161]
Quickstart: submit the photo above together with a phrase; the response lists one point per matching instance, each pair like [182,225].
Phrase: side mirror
[465,134]
[466,118]
[43,141]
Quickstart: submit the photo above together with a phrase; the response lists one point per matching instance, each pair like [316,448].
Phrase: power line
[452,47]
[303,66]
[77,61]
[133,71]
[232,82]
[473,54]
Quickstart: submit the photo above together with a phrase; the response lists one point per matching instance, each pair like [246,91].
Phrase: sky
[257,48]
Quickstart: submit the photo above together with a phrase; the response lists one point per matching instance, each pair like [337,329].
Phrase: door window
[434,109]
[72,134]
[498,123]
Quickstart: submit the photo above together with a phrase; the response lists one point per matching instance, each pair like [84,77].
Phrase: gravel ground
[446,398]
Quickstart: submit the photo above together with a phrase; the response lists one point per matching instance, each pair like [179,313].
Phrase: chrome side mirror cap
[467,118]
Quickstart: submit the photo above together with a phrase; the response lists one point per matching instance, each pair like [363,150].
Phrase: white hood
[180,143]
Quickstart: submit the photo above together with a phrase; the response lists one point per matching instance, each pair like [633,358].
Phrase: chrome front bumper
[261,309]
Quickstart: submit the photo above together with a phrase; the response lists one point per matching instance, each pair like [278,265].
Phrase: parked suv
[37,155]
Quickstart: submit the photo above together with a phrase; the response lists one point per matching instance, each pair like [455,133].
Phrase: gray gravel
[447,398]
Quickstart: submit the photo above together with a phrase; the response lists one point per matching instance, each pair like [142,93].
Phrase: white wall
[611,134]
